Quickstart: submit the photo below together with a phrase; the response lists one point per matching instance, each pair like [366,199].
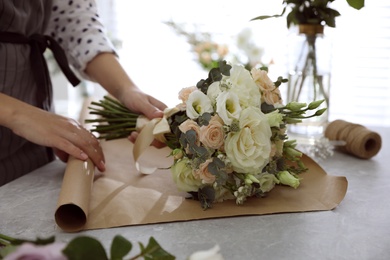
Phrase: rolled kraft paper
[359,141]
[73,202]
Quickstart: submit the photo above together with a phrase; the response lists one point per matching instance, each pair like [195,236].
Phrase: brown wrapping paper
[125,197]
[73,203]
[359,140]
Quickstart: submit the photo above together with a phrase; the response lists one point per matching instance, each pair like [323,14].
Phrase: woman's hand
[65,135]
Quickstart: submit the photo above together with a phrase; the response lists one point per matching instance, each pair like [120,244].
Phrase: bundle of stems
[114,120]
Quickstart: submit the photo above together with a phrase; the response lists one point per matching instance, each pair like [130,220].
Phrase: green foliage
[316,12]
[215,74]
[85,247]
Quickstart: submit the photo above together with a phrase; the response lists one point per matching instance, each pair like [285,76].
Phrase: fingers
[153,108]
[134,135]
[83,145]
[75,140]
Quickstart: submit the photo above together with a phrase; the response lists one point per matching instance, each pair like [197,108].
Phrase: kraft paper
[125,197]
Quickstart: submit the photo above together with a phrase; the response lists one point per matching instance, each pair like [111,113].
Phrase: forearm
[10,108]
[106,70]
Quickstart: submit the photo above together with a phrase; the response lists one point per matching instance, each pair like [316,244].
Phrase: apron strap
[38,44]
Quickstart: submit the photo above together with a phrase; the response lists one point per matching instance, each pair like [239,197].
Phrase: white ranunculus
[228,107]
[249,149]
[243,85]
[197,104]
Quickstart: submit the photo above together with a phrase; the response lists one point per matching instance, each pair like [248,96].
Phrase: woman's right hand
[65,135]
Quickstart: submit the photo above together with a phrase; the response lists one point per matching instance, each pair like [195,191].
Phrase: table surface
[359,228]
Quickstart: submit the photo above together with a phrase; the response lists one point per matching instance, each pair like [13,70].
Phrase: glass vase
[309,72]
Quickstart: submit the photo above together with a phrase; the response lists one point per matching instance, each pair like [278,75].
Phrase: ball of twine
[359,141]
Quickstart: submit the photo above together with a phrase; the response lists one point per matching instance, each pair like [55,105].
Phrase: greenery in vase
[311,16]
[316,12]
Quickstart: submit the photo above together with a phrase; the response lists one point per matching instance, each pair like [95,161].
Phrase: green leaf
[153,251]
[120,247]
[38,241]
[85,247]
[357,4]
[262,17]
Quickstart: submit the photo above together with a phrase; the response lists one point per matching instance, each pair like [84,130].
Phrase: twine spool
[360,141]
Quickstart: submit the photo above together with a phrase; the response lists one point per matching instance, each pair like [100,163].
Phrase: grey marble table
[359,228]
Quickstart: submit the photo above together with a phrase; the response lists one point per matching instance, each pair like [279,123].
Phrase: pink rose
[271,97]
[213,135]
[185,92]
[28,251]
[262,80]
[204,174]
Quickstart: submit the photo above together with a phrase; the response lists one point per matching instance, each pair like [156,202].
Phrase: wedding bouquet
[228,135]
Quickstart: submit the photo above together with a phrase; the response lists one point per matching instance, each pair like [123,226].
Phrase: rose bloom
[228,107]
[262,80]
[248,149]
[183,177]
[203,172]
[185,92]
[243,85]
[212,135]
[269,93]
[197,104]
[271,97]
[28,251]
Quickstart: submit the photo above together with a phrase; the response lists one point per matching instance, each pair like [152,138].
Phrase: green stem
[5,240]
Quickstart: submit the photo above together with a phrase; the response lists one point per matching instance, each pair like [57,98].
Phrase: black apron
[24,75]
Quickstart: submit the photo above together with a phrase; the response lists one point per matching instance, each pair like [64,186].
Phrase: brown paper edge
[71,213]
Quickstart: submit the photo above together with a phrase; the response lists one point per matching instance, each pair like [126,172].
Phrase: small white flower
[197,104]
[243,85]
[228,107]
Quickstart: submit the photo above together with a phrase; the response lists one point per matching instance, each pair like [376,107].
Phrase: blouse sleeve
[76,26]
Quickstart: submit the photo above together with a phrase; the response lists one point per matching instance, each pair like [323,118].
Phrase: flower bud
[177,154]
[315,104]
[295,106]
[287,178]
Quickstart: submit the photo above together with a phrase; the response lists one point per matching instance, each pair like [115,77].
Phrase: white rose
[243,85]
[248,149]
[228,107]
[197,104]
[183,177]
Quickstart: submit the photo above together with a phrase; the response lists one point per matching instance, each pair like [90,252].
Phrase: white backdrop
[161,63]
